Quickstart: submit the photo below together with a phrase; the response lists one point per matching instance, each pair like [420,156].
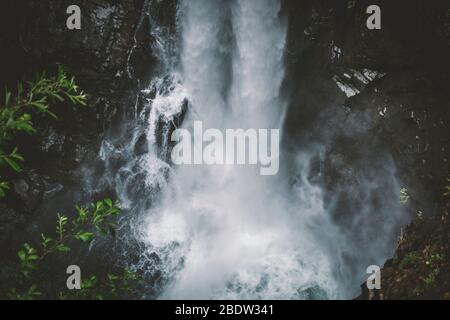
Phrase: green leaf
[46,241]
[62,248]
[88,283]
[109,202]
[30,249]
[99,205]
[22,255]
[33,257]
[82,213]
[60,223]
[15,155]
[3,187]
[112,277]
[84,236]
[98,219]
[33,292]
[7,98]
[40,105]
[57,96]
[12,163]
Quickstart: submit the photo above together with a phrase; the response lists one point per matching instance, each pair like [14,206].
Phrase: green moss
[430,280]
[411,260]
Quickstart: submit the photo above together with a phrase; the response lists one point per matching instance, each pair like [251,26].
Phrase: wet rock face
[31,189]
[96,52]
[392,81]
[10,222]
[18,209]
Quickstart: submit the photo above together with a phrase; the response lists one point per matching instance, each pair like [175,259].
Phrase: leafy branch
[16,112]
[90,220]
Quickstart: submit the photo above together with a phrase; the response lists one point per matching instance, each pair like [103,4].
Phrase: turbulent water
[227,231]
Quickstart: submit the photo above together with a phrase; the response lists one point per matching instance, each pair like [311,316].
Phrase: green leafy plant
[16,112]
[411,260]
[434,263]
[435,259]
[430,279]
[29,276]
[89,222]
[109,286]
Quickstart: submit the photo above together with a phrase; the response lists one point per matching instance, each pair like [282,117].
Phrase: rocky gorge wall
[369,93]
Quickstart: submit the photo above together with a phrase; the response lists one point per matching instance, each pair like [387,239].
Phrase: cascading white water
[258,63]
[226,231]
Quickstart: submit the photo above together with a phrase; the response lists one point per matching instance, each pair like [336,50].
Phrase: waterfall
[226,231]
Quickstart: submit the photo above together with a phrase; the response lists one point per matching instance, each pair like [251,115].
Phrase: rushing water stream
[227,231]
